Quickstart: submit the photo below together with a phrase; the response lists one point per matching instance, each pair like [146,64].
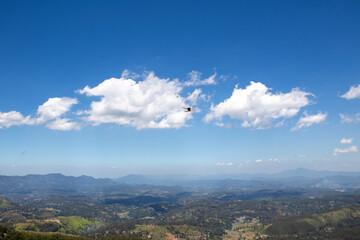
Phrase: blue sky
[98,88]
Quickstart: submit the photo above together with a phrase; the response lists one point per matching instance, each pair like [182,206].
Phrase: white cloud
[219,124]
[309,120]
[224,164]
[347,140]
[63,124]
[51,111]
[129,74]
[258,161]
[350,119]
[354,92]
[274,160]
[195,95]
[227,77]
[53,108]
[14,118]
[302,155]
[194,79]
[257,107]
[151,103]
[338,151]
[227,125]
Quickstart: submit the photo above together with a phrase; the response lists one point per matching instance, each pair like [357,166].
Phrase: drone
[189,109]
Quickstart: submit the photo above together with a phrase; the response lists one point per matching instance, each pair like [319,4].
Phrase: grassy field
[70,225]
[76,224]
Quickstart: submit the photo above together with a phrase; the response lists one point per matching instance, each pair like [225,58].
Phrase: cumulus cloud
[354,92]
[258,161]
[51,110]
[257,107]
[224,164]
[14,118]
[309,120]
[54,108]
[347,140]
[338,151]
[151,103]
[349,119]
[194,79]
[63,124]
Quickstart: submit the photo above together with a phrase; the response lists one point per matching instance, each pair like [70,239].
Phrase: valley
[252,208]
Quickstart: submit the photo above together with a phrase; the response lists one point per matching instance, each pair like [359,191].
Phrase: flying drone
[189,109]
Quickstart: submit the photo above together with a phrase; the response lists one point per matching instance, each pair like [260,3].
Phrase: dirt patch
[171,236]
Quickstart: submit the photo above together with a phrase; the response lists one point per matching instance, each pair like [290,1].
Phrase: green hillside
[11,234]
[70,225]
[327,223]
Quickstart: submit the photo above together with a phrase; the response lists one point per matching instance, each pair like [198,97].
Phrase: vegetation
[158,212]
[4,203]
[76,224]
[320,224]
[11,234]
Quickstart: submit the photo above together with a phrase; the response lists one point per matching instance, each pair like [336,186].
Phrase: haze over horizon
[100,88]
